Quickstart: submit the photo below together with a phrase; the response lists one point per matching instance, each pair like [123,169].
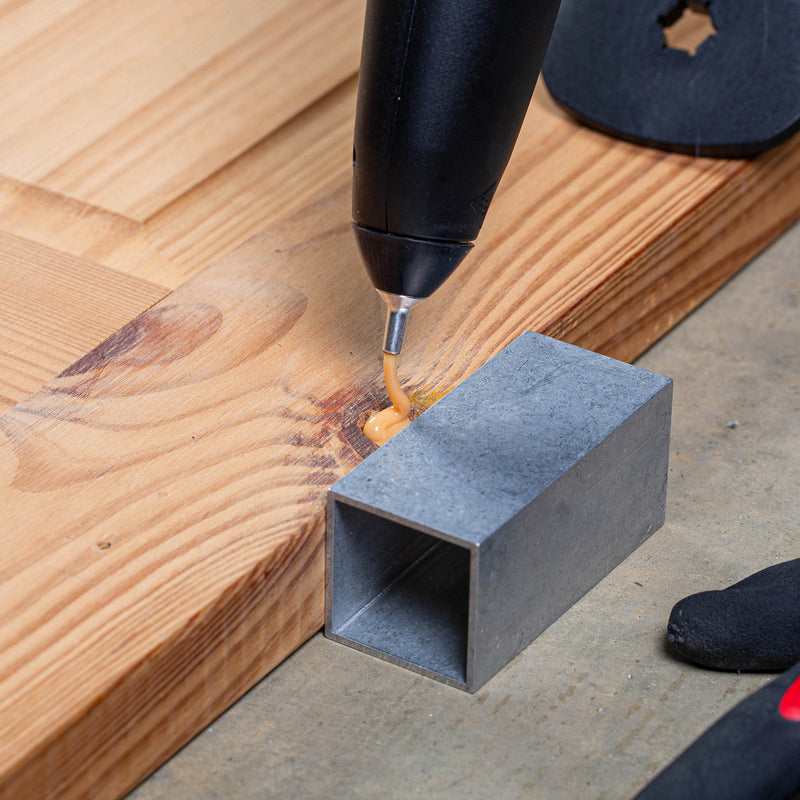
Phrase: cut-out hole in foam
[687,26]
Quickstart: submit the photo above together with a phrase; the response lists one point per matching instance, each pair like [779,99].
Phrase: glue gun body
[443,90]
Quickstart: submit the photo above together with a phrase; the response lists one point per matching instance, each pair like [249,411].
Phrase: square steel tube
[459,541]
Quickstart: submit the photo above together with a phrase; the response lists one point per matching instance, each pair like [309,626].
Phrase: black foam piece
[737,96]
[752,625]
[752,753]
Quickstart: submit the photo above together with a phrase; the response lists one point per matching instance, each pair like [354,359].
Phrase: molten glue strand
[382,425]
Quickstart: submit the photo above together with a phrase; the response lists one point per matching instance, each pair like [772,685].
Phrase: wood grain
[271,181]
[126,104]
[170,580]
[54,308]
[304,160]
[601,243]
[163,497]
[85,232]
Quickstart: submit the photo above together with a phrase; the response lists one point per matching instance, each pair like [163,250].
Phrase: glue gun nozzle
[395,328]
[396,318]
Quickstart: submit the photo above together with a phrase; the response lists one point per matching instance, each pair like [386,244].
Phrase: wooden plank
[127,104]
[271,181]
[53,309]
[163,498]
[142,578]
[84,232]
[616,242]
[303,160]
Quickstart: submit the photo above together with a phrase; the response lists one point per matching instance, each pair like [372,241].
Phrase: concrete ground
[595,706]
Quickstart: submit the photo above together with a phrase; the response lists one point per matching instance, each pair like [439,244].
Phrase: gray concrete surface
[595,706]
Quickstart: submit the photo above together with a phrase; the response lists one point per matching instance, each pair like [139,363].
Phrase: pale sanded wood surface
[269,182]
[163,497]
[127,104]
[54,308]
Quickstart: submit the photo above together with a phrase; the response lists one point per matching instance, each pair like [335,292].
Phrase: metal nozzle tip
[395,329]
[396,319]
